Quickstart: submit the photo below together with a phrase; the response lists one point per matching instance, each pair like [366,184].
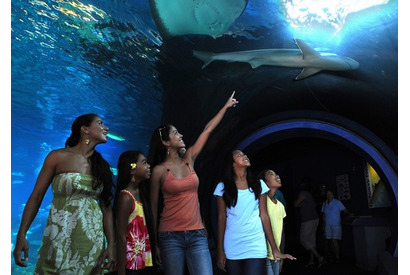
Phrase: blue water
[70,57]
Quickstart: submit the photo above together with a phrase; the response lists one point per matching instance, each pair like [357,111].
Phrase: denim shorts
[178,248]
[272,267]
[333,232]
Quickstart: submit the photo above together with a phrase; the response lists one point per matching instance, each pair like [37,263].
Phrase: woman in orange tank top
[179,229]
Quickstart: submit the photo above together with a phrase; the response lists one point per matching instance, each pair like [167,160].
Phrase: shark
[305,57]
[115,136]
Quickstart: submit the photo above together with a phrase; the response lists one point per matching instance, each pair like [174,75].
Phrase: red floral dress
[138,244]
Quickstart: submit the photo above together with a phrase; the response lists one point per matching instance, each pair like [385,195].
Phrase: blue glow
[326,127]
[306,13]
[321,18]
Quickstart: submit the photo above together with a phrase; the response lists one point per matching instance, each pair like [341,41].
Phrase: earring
[87,141]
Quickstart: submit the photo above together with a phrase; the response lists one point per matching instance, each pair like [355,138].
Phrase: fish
[115,136]
[114,171]
[206,17]
[305,57]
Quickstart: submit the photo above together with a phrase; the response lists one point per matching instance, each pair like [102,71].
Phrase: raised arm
[195,149]
[33,204]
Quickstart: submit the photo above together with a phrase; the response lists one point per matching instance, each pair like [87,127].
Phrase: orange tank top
[181,205]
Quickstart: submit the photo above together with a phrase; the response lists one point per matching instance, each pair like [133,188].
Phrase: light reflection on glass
[304,14]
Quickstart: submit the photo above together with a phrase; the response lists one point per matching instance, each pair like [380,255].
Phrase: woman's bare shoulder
[160,168]
[57,153]
[63,151]
[60,155]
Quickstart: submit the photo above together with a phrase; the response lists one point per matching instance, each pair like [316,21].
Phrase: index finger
[290,257]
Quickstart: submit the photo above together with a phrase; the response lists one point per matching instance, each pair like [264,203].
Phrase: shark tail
[206,57]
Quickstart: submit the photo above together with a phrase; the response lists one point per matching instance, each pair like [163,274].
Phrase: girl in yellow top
[276,212]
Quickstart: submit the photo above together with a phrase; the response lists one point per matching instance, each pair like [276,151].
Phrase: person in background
[243,221]
[279,196]
[309,218]
[181,234]
[133,215]
[276,213]
[80,212]
[331,210]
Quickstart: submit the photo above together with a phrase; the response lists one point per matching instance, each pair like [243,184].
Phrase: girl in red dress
[133,215]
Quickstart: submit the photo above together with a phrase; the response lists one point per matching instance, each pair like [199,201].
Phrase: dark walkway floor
[297,267]
[346,267]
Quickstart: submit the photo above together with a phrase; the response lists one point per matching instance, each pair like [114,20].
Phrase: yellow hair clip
[133,165]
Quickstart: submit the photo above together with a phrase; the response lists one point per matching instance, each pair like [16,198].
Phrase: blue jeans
[272,267]
[255,266]
[176,247]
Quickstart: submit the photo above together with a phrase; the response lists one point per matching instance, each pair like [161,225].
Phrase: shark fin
[206,57]
[256,62]
[307,51]
[307,72]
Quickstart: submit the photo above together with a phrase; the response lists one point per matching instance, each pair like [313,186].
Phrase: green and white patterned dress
[73,239]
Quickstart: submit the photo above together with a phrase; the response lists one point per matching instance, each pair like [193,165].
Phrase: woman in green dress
[80,214]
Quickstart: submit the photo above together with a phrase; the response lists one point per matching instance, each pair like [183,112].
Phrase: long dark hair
[157,154]
[123,178]
[157,151]
[100,168]
[123,169]
[230,195]
[261,175]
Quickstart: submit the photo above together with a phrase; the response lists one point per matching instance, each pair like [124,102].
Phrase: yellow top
[276,214]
